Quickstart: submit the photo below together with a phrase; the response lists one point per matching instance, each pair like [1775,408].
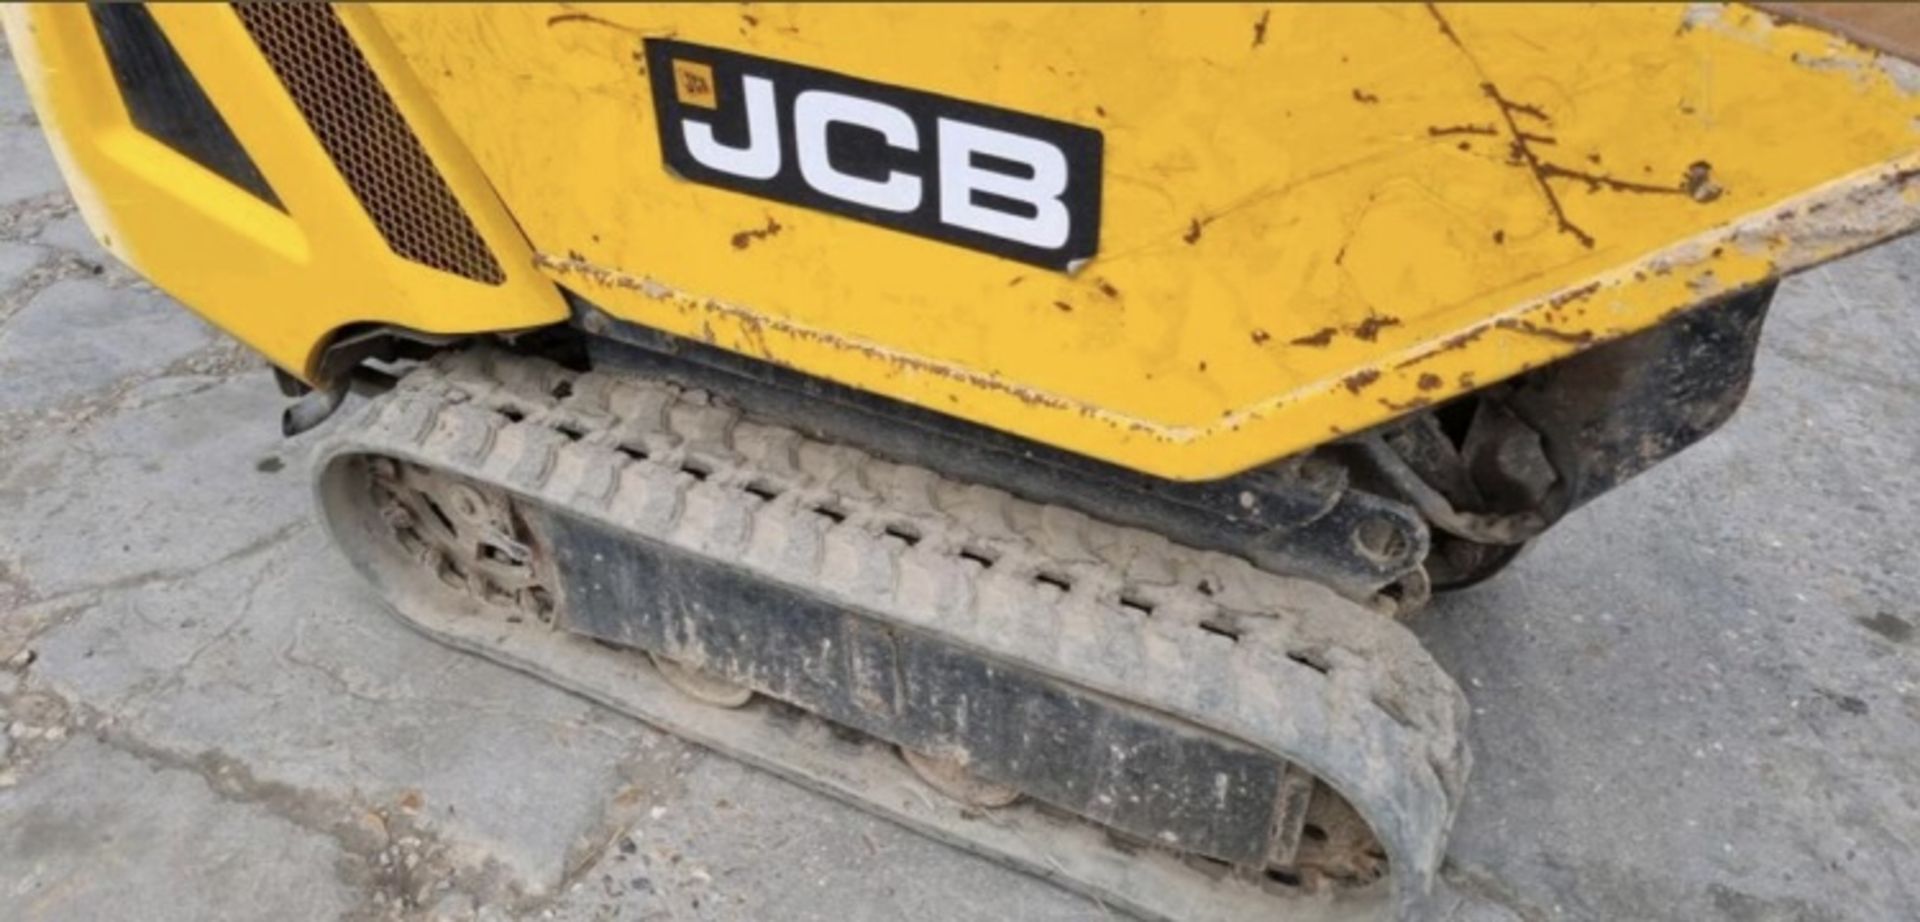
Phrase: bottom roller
[1166,730]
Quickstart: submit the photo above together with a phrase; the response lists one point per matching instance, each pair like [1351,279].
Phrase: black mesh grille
[165,102]
[368,139]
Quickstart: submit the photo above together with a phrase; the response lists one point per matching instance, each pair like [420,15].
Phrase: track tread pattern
[1280,662]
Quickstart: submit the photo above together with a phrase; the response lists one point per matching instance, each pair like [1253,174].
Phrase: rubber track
[1280,663]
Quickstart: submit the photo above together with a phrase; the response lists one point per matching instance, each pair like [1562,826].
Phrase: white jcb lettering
[1050,224]
[990,181]
[815,110]
[760,159]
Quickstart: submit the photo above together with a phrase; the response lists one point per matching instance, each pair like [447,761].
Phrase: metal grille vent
[367,138]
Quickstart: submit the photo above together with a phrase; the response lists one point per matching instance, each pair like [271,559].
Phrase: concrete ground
[1697,699]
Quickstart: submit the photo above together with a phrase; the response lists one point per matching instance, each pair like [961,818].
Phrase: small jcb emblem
[693,84]
[1003,182]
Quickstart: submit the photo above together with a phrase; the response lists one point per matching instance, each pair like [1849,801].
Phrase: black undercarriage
[1440,499]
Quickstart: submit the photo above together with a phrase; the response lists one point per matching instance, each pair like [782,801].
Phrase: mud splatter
[1369,329]
[1521,150]
[746,238]
[1442,130]
[1573,337]
[1318,339]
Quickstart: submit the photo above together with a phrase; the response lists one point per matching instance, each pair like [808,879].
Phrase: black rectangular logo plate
[1015,185]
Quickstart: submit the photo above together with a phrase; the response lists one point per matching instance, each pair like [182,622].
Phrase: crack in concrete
[146,578]
[71,604]
[53,268]
[177,678]
[27,623]
[650,774]
[345,686]
[24,219]
[216,362]
[399,865]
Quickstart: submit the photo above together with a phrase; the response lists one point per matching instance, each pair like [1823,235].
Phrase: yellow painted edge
[1839,217]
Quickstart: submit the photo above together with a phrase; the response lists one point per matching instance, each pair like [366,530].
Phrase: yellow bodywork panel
[282,281]
[1315,217]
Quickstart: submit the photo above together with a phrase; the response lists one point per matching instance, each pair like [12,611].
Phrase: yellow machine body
[283,280]
[1313,218]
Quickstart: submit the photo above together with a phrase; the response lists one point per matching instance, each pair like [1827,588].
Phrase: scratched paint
[1846,215]
[1315,213]
[1311,212]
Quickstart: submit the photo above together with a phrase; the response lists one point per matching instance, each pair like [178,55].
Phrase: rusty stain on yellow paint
[755,326]
[1799,233]
[1364,231]
[1314,217]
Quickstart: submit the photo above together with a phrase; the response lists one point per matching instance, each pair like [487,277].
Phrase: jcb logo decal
[1011,184]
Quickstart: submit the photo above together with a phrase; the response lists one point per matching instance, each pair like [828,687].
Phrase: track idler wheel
[1111,679]
[949,777]
[701,686]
